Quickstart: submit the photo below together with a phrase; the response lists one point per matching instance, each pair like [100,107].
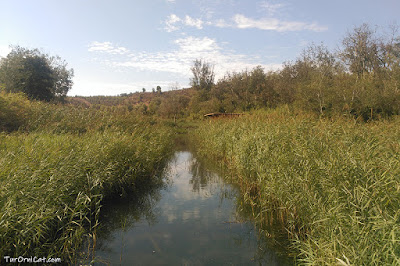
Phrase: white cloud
[271,8]
[221,23]
[179,60]
[171,1]
[193,22]
[173,22]
[274,24]
[107,47]
[240,21]
[170,23]
[197,45]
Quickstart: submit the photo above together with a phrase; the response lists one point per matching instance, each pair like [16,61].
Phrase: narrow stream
[190,219]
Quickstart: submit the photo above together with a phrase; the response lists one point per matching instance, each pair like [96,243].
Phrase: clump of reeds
[53,185]
[334,185]
[17,113]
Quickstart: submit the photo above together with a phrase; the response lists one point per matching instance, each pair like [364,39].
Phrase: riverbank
[333,185]
[61,165]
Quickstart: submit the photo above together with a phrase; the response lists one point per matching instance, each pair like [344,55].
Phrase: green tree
[375,63]
[203,75]
[38,75]
[361,51]
[174,106]
[315,70]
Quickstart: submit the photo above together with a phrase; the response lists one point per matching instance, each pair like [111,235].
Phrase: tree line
[361,79]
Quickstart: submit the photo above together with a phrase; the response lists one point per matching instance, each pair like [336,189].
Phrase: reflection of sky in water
[194,225]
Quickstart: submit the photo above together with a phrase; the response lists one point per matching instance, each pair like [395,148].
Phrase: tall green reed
[333,185]
[62,164]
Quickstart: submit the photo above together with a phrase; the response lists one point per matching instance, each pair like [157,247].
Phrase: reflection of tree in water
[201,175]
[205,175]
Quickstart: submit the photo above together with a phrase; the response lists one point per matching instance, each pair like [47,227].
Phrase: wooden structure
[216,115]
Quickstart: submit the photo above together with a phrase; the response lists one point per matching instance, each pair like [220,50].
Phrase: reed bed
[17,113]
[60,163]
[53,185]
[333,185]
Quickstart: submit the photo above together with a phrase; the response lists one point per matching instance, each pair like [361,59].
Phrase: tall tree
[361,50]
[203,75]
[38,75]
[315,69]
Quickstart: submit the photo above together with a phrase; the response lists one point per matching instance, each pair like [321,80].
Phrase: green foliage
[174,106]
[361,81]
[14,111]
[53,185]
[18,113]
[361,51]
[203,75]
[60,166]
[333,185]
[38,75]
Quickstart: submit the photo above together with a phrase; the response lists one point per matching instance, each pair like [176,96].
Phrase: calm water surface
[191,219]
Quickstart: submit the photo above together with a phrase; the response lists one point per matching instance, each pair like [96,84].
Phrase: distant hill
[133,99]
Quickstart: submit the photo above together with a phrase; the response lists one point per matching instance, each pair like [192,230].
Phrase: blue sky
[122,46]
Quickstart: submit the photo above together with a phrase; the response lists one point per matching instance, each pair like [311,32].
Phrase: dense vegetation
[60,167]
[316,153]
[333,185]
[360,80]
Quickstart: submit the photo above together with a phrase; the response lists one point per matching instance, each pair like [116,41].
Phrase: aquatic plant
[53,185]
[333,185]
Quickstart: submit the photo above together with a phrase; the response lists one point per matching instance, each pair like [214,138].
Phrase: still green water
[192,218]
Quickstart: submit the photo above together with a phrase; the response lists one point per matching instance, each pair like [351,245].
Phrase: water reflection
[191,218]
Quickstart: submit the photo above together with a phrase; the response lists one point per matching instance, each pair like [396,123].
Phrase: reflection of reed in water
[120,214]
[270,236]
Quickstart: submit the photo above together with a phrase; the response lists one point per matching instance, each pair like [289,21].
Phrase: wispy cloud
[220,23]
[239,21]
[273,24]
[198,23]
[179,60]
[271,20]
[173,22]
[171,1]
[107,47]
[271,8]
